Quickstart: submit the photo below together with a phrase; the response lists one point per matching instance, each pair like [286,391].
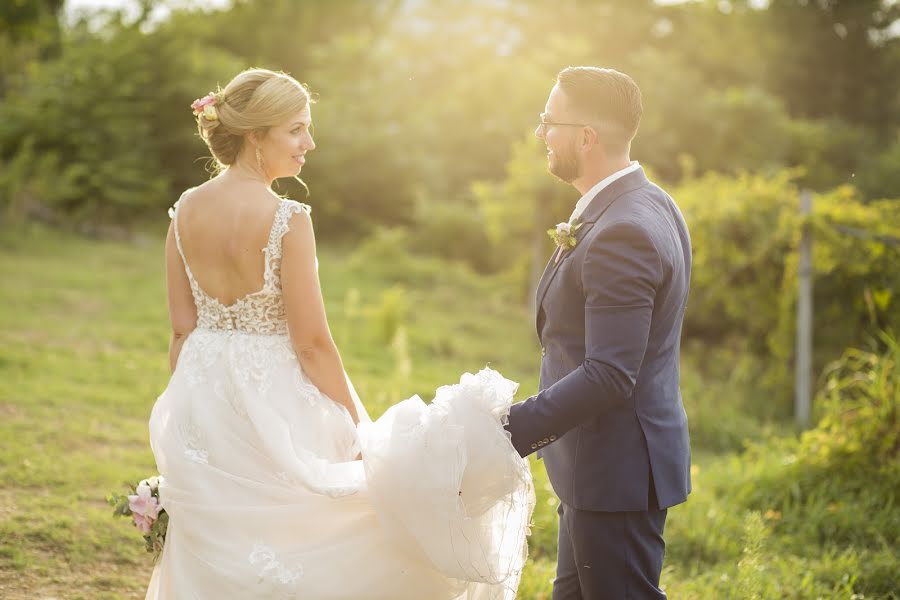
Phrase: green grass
[83,356]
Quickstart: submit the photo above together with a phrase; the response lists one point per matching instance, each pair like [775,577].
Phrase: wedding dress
[264,497]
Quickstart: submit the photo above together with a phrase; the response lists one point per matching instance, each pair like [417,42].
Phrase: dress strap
[286,209]
[173,213]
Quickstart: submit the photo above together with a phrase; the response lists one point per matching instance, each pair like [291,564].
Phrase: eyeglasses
[543,125]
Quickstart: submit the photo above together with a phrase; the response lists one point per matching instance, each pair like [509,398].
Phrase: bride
[276,481]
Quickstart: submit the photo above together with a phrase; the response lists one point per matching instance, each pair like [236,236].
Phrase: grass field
[83,356]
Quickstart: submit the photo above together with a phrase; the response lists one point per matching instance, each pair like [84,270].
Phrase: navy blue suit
[609,421]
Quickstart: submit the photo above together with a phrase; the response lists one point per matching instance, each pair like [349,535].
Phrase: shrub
[746,231]
[808,516]
[103,132]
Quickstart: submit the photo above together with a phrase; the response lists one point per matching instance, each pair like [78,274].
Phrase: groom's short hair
[607,99]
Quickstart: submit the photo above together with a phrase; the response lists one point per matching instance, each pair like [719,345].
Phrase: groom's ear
[589,139]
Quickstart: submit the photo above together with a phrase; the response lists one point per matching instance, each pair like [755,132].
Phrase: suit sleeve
[620,275]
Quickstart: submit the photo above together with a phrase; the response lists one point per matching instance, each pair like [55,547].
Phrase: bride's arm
[182,310]
[307,323]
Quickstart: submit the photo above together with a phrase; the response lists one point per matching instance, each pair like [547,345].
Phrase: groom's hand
[522,446]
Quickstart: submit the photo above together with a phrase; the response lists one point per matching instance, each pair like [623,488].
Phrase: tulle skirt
[265,500]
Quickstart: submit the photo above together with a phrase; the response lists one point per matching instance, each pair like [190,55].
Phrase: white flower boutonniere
[563,235]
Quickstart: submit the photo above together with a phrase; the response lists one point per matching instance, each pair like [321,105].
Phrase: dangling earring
[259,159]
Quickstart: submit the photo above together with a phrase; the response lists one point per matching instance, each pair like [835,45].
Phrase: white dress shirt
[585,200]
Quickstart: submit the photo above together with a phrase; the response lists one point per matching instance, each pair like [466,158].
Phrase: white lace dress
[266,501]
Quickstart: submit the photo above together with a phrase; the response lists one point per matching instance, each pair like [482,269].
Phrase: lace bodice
[261,312]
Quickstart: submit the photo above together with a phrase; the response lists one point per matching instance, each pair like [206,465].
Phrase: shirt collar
[585,200]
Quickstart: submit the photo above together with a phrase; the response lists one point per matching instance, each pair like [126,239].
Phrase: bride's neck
[237,172]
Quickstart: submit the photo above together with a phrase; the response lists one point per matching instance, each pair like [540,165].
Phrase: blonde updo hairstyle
[254,101]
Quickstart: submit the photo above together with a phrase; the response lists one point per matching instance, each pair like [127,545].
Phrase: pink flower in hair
[206,105]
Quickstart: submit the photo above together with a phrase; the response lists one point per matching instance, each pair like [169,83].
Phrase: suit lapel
[595,209]
[552,269]
[546,276]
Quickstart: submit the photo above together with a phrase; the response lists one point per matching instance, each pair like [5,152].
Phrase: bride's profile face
[285,145]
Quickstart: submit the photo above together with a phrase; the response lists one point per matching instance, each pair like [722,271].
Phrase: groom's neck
[594,173]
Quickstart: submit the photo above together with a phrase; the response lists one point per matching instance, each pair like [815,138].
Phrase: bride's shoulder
[295,220]
[296,215]
[181,197]
[294,207]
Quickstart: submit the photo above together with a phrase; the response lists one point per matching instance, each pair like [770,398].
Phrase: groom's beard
[564,164]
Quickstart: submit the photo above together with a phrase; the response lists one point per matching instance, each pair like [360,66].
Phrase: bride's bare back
[224,230]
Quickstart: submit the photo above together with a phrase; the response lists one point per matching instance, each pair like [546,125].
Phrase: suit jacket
[609,415]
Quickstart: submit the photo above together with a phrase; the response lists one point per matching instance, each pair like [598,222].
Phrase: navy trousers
[609,555]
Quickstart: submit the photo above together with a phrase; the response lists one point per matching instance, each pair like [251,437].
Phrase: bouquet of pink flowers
[144,506]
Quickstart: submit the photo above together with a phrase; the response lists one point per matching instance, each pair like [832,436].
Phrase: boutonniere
[563,235]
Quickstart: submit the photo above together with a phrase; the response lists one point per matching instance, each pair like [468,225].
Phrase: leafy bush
[809,516]
[456,232]
[830,151]
[104,132]
[745,232]
[720,403]
[879,176]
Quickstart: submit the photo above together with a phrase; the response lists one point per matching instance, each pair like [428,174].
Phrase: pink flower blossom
[143,503]
[200,103]
[142,523]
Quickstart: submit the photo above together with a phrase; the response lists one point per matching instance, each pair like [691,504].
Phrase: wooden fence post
[803,367]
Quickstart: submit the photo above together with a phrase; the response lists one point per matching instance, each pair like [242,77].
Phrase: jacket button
[552,438]
[534,446]
[546,441]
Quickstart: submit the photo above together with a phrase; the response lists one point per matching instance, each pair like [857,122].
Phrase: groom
[608,420]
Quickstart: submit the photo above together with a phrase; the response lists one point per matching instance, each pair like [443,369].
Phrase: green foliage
[517,210]
[752,583]
[830,151]
[858,437]
[770,522]
[745,233]
[812,516]
[454,232]
[837,485]
[880,176]
[93,134]
[721,398]
[707,123]
[851,37]
[741,232]
[29,31]
[389,314]
[82,358]
[406,125]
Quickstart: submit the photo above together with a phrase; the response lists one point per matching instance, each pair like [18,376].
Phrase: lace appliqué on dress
[198,355]
[276,579]
[193,444]
[255,358]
